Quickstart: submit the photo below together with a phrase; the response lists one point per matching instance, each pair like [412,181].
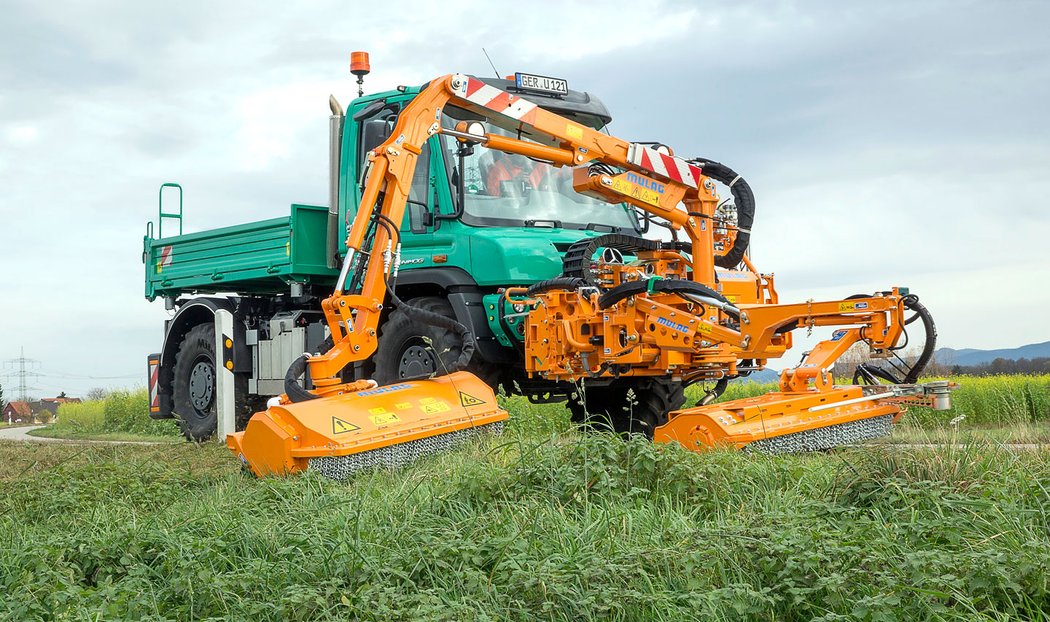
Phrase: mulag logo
[645,182]
[682,328]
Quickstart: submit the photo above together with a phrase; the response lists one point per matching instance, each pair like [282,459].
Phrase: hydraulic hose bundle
[744,200]
[901,372]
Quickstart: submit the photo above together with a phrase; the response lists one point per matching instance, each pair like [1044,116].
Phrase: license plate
[541,84]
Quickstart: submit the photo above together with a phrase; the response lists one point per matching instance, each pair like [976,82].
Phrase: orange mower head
[802,421]
[378,427]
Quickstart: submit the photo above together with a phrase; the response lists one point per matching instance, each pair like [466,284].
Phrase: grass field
[543,523]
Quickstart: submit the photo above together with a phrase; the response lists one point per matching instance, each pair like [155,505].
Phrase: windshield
[511,190]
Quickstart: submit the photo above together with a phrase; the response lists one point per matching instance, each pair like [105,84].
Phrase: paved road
[20,434]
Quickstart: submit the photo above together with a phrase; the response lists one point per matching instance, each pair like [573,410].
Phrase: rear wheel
[627,405]
[195,391]
[194,379]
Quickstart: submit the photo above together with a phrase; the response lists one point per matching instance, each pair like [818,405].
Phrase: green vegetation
[995,407]
[541,523]
[120,415]
[993,401]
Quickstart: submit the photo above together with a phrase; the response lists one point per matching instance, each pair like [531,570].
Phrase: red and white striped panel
[669,167]
[154,385]
[497,100]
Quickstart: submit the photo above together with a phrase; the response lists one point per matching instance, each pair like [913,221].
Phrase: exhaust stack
[335,147]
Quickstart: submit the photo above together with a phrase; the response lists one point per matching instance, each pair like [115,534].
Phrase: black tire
[608,407]
[409,348]
[195,387]
[194,383]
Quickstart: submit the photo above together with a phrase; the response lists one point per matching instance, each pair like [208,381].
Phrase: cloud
[887,143]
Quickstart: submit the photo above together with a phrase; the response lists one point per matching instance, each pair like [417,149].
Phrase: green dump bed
[258,257]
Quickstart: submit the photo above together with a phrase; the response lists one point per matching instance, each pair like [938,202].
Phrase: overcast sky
[888,143]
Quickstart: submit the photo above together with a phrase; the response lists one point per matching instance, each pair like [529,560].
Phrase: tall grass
[528,526]
[993,401]
[543,523]
[119,412]
[986,401]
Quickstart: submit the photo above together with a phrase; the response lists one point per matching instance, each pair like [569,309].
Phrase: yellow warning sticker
[469,400]
[384,418]
[574,131]
[644,195]
[847,306]
[376,411]
[427,400]
[403,405]
[705,328]
[340,426]
[439,407]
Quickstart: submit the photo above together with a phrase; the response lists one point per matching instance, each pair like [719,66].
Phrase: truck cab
[246,298]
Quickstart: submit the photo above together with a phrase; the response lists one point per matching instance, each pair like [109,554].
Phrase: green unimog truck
[246,298]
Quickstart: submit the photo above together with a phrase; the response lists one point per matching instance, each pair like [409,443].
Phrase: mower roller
[680,311]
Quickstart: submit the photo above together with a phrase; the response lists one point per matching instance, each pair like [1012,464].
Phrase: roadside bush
[86,417]
[120,411]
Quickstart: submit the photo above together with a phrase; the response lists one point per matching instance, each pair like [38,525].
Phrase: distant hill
[969,356]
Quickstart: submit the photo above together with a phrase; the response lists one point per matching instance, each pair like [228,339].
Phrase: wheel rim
[416,360]
[202,385]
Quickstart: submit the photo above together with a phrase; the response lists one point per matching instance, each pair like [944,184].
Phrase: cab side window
[378,127]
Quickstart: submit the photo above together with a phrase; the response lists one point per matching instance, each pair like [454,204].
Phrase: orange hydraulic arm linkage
[681,326]
[667,314]
[353,316]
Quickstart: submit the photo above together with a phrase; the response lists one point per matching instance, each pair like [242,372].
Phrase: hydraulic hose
[425,316]
[297,393]
[292,388]
[669,286]
[743,197]
[911,301]
[561,282]
[871,374]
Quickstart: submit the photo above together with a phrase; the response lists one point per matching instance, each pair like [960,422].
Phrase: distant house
[50,404]
[17,412]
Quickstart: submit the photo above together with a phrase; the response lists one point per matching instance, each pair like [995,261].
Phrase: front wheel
[410,349]
[627,405]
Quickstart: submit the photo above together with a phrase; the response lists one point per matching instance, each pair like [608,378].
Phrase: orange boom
[686,310]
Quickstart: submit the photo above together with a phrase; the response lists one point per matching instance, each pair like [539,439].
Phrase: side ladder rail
[161,214]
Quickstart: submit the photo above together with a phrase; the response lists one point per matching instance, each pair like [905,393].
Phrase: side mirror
[419,218]
[374,133]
